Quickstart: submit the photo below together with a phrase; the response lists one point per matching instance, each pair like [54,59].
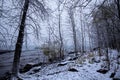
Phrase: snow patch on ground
[86,71]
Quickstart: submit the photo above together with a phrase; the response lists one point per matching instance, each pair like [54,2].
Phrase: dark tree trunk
[18,48]
[118,7]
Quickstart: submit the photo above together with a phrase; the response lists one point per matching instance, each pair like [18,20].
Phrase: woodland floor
[81,68]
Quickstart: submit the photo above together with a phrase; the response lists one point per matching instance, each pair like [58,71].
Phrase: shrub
[80,60]
[50,51]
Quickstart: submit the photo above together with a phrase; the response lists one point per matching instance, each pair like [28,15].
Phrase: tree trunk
[61,39]
[82,32]
[73,29]
[118,8]
[18,48]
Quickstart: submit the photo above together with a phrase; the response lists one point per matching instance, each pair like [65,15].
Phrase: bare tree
[19,43]
[60,34]
[71,14]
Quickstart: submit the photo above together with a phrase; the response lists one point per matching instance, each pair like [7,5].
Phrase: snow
[117,74]
[86,71]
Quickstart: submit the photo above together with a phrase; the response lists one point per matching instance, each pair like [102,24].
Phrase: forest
[59,39]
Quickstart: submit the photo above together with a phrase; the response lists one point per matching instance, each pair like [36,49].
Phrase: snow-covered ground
[52,72]
[85,67]
[85,71]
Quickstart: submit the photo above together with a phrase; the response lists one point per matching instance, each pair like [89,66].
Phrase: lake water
[6,60]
